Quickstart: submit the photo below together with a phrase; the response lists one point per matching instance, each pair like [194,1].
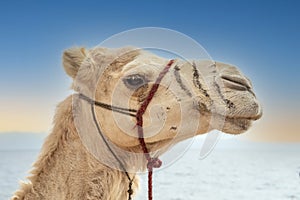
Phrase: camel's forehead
[110,52]
[115,57]
[127,58]
[144,60]
[121,60]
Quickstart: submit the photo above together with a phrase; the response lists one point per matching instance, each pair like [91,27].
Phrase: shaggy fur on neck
[65,170]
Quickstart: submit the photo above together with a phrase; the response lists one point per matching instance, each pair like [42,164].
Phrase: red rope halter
[151,162]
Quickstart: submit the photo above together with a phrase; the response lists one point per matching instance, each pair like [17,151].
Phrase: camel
[70,167]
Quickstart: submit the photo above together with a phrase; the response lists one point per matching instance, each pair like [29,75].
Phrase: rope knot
[154,163]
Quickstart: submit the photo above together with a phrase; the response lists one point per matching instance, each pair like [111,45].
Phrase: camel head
[193,98]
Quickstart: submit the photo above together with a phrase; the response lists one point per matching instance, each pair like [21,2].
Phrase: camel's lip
[251,118]
[243,124]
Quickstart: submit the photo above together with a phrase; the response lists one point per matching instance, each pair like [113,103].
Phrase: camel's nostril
[236,82]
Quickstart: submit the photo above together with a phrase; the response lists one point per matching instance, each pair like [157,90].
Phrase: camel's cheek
[160,123]
[120,129]
[161,120]
[163,116]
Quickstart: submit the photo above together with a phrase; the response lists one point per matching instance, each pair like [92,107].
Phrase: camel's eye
[134,81]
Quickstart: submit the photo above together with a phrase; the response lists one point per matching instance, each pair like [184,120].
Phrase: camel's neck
[65,170]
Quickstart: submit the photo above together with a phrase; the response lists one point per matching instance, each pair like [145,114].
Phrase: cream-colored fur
[66,169]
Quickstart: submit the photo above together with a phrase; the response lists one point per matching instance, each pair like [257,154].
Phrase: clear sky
[261,37]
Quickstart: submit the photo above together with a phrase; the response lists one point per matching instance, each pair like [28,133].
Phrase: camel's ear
[72,60]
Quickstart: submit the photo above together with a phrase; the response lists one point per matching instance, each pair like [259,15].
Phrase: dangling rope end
[130,190]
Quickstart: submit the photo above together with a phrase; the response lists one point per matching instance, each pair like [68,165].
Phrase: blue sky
[261,37]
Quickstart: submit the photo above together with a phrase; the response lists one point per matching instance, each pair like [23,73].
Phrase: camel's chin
[236,125]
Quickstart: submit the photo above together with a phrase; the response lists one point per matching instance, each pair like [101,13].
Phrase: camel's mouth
[231,125]
[250,118]
[243,123]
[237,125]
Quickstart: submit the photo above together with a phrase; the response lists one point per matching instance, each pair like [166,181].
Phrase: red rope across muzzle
[151,162]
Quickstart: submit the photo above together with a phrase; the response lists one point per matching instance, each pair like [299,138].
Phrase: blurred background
[260,37]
